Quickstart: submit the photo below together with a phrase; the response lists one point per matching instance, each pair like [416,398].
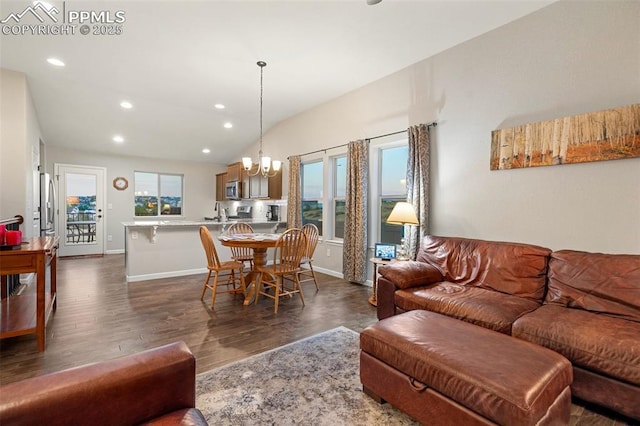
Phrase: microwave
[233,190]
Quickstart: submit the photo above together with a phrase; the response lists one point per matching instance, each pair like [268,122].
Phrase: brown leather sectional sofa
[585,306]
[151,387]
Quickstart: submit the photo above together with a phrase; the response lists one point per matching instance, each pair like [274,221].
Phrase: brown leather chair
[156,386]
[231,270]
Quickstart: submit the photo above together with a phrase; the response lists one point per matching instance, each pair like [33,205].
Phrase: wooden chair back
[312,234]
[289,250]
[240,228]
[213,262]
[241,253]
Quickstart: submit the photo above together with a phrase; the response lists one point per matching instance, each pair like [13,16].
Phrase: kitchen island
[172,248]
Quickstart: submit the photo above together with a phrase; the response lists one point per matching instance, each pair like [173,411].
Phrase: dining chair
[281,275]
[311,232]
[231,270]
[241,254]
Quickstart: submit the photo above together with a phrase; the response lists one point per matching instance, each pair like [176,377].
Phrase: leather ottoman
[441,370]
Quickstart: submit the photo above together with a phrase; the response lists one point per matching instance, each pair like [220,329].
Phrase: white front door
[80,209]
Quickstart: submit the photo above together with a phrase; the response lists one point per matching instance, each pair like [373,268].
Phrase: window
[312,176]
[339,193]
[393,188]
[158,194]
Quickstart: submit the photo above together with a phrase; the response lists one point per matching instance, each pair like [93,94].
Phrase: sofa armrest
[402,275]
[408,274]
[127,390]
[385,299]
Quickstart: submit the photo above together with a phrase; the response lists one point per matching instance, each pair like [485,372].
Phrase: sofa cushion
[512,268]
[602,283]
[487,308]
[606,345]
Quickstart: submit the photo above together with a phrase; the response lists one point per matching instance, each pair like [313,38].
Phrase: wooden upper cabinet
[256,187]
[275,186]
[234,172]
[246,185]
[221,182]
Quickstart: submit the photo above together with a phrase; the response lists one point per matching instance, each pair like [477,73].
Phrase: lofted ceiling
[176,59]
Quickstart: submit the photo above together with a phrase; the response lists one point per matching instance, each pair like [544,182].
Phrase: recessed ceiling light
[206,150]
[126,104]
[219,106]
[56,62]
[228,125]
[118,139]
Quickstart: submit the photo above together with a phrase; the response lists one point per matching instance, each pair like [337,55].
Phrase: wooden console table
[28,313]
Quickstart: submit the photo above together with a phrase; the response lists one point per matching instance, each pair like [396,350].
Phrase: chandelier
[264,164]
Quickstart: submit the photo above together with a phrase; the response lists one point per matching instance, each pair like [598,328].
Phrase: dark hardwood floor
[100,316]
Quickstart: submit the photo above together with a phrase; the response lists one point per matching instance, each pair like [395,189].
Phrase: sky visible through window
[394,171]
[81,184]
[312,175]
[341,177]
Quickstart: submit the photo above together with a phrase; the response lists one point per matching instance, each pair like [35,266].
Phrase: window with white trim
[158,194]
[339,194]
[312,175]
[392,186]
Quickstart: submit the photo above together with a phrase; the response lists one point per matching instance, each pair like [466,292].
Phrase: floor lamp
[403,213]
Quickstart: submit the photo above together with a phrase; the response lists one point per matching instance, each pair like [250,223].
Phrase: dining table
[259,243]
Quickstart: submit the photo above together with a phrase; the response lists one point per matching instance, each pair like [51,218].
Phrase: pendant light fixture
[264,165]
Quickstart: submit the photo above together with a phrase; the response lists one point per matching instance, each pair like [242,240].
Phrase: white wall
[568,58]
[19,151]
[199,184]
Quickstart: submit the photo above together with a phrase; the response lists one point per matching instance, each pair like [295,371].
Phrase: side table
[373,299]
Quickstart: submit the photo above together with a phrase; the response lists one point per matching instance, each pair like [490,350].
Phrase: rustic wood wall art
[596,136]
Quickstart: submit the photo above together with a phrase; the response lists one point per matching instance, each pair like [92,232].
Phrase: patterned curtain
[354,258]
[294,208]
[418,185]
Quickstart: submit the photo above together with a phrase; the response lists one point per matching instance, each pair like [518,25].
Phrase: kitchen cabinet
[234,172]
[221,182]
[275,187]
[246,185]
[265,188]
[259,186]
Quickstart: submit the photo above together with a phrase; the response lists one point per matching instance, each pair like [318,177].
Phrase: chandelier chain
[266,169]
[261,90]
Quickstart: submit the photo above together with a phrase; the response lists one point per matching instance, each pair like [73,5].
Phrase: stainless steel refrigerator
[47,206]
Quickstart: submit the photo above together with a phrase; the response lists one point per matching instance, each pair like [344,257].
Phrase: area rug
[314,381]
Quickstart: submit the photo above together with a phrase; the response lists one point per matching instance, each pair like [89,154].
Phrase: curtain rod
[432,124]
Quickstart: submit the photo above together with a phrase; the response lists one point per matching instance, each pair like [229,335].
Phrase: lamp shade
[403,214]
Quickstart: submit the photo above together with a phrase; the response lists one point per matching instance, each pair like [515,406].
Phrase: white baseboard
[336,274]
[118,251]
[328,272]
[134,278]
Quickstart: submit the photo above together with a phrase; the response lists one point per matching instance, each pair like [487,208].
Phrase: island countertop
[186,222]
[170,248]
